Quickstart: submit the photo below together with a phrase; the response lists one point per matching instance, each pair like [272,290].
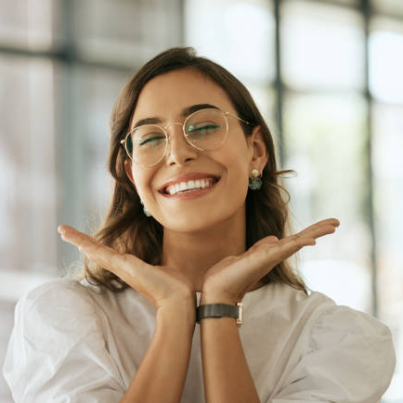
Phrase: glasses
[205,130]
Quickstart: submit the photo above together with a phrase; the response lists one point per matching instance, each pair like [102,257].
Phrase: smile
[189,186]
[189,189]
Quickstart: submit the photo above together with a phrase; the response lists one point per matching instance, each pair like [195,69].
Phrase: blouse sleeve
[350,359]
[57,352]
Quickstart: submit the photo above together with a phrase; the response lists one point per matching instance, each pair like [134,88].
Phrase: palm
[159,284]
[232,277]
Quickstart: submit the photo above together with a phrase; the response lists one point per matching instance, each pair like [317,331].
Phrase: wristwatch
[219,311]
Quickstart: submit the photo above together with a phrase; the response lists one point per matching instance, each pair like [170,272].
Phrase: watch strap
[219,311]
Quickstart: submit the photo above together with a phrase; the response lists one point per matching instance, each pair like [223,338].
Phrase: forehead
[168,94]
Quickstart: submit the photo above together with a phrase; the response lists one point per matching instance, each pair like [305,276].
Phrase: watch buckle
[239,319]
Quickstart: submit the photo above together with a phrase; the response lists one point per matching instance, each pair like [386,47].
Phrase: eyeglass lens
[205,129]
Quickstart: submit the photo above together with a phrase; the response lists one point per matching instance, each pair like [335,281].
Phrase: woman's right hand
[161,285]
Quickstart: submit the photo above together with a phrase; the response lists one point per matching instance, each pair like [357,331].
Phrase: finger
[101,254]
[289,246]
[330,222]
[318,230]
[77,238]
[333,222]
[269,252]
[267,256]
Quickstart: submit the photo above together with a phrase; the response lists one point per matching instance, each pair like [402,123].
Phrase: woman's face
[227,168]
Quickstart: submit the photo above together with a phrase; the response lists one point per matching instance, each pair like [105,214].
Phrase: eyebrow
[185,112]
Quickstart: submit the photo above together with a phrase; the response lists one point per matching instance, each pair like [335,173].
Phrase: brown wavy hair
[125,226]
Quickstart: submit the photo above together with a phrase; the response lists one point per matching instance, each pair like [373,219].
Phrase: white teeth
[189,185]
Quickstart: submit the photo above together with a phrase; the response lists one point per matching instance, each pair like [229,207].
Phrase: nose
[179,150]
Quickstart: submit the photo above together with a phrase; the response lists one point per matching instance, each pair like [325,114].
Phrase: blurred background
[327,75]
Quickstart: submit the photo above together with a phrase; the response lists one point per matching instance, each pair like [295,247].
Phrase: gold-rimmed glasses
[205,130]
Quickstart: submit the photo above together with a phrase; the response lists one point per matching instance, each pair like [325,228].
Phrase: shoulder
[350,332]
[329,325]
[355,349]
[342,354]
[62,308]
[333,324]
[326,327]
[319,312]
[53,289]
[281,301]
[56,295]
[58,326]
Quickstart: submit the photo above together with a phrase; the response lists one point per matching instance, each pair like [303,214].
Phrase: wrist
[181,313]
[213,297]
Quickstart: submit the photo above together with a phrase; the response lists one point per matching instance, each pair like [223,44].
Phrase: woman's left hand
[230,279]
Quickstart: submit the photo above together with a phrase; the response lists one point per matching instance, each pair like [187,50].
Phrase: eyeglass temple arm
[237,117]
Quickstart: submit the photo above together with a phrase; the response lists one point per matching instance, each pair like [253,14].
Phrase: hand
[230,279]
[161,285]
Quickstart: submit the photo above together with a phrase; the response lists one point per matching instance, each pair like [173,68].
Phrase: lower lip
[191,195]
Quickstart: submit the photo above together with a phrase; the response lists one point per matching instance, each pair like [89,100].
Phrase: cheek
[236,161]
[142,184]
[238,185]
[236,178]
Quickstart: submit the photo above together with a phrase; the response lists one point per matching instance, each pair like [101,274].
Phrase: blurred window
[28,195]
[322,46]
[96,95]
[125,32]
[391,7]
[386,60]
[237,33]
[325,142]
[388,182]
[26,24]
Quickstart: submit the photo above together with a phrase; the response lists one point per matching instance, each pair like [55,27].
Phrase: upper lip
[185,178]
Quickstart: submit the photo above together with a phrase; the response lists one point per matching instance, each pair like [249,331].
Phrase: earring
[145,209]
[255,183]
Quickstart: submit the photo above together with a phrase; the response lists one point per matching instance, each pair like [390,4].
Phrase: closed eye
[150,140]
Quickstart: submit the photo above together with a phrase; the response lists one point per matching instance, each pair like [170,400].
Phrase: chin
[199,220]
[187,224]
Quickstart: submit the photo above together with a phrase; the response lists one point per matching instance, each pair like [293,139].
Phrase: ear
[258,150]
[129,172]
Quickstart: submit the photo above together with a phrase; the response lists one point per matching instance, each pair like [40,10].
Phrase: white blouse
[73,344]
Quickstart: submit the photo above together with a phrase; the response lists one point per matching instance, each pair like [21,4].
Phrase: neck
[194,253]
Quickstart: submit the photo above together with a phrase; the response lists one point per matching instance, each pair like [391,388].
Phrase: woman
[197,219]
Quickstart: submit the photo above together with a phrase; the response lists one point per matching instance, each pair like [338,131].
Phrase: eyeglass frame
[185,135]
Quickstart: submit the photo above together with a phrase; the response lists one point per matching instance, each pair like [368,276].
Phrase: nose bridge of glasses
[178,140]
[173,124]
[169,132]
